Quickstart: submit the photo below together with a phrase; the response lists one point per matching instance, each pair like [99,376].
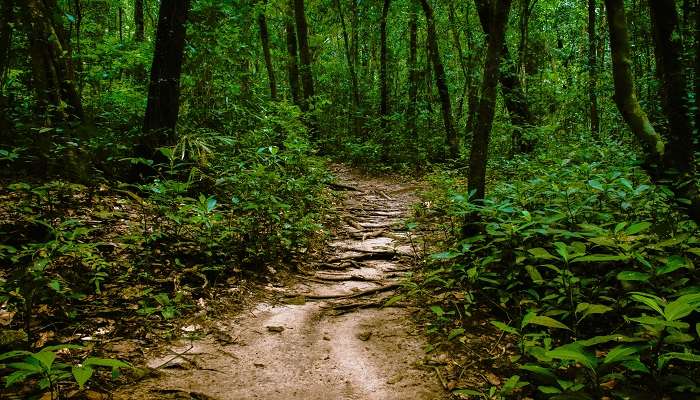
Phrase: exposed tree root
[361,293]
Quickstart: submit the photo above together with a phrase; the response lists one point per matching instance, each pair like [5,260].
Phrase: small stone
[326,338]
[259,365]
[364,336]
[276,329]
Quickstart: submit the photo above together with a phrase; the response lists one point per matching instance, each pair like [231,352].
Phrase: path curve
[330,340]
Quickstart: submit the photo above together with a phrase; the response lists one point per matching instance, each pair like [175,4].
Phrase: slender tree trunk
[487,105]
[292,65]
[53,74]
[441,82]
[592,69]
[412,71]
[265,40]
[307,80]
[697,76]
[513,93]
[355,100]
[121,24]
[138,20]
[383,72]
[6,18]
[164,88]
[473,100]
[625,96]
[668,48]
[462,61]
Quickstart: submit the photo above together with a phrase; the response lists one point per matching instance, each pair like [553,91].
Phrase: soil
[324,336]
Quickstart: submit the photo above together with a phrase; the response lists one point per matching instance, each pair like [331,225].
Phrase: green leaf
[602,258]
[46,358]
[546,321]
[539,252]
[541,371]
[505,328]
[82,374]
[17,377]
[571,354]
[619,354]
[548,389]
[587,309]
[437,310]
[654,302]
[468,392]
[455,332]
[13,354]
[445,255]
[633,276]
[637,228]
[645,320]
[665,358]
[393,300]
[106,362]
[596,185]
[25,366]
[681,307]
[534,273]
[211,204]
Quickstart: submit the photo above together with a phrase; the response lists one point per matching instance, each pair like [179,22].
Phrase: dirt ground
[324,337]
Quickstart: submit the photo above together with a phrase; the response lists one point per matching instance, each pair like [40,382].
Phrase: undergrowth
[586,268]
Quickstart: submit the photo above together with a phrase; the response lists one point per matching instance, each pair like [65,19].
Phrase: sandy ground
[328,337]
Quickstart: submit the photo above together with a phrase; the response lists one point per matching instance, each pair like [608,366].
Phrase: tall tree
[355,96]
[6,19]
[307,80]
[669,66]
[413,73]
[513,93]
[138,20]
[480,142]
[440,81]
[164,89]
[383,67]
[265,40]
[625,93]
[592,69]
[53,74]
[292,64]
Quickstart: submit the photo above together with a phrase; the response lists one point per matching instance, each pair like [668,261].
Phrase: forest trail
[326,336]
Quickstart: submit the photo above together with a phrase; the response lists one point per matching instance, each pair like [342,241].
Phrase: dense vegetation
[155,152]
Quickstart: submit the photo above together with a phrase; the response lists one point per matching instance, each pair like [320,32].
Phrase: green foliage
[592,269]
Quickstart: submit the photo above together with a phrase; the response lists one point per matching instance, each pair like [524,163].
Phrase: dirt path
[329,339]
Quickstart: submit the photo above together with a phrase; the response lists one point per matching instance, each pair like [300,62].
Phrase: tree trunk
[668,48]
[473,99]
[697,76]
[625,96]
[592,70]
[513,93]
[355,96]
[121,24]
[487,105]
[265,40]
[460,56]
[412,72]
[307,80]
[138,20]
[53,74]
[164,88]
[383,72]
[292,65]
[6,18]
[440,82]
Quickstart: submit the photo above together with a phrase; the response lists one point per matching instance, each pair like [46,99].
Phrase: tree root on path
[361,293]
[342,186]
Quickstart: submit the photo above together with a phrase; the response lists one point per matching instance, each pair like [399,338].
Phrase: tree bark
[625,96]
[487,105]
[462,61]
[513,93]
[668,50]
[164,88]
[592,70]
[265,40]
[54,77]
[292,65]
[383,72]
[355,97]
[6,18]
[307,80]
[697,76]
[138,20]
[440,82]
[121,24]
[413,74]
